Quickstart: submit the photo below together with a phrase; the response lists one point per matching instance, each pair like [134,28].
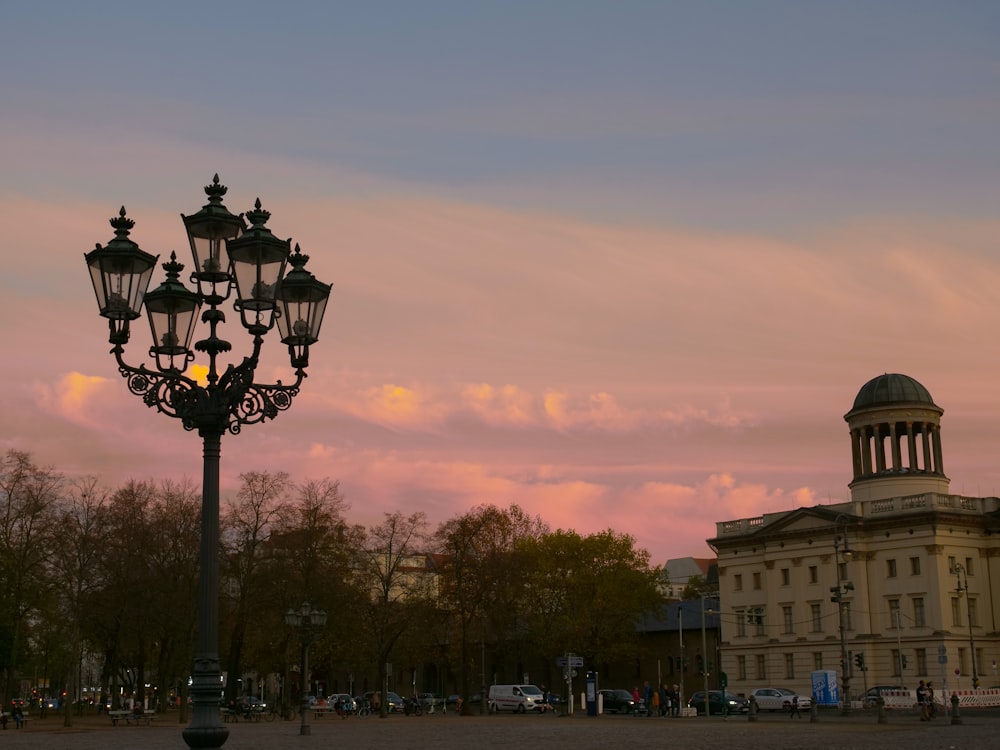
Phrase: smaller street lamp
[307,623]
[704,659]
[962,586]
[843,587]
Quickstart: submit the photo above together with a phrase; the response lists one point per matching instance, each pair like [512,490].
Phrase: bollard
[813,711]
[955,718]
[752,713]
[880,703]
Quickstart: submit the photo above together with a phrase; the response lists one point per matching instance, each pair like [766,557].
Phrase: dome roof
[891,389]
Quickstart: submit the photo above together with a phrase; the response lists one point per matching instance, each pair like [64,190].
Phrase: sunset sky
[625,264]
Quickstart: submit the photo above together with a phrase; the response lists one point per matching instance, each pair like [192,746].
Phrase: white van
[520,698]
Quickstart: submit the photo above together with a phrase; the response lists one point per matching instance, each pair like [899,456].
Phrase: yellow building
[901,582]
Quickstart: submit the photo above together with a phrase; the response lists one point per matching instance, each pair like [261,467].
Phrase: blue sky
[585,254]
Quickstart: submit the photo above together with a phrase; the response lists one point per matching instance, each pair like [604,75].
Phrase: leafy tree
[478,565]
[588,593]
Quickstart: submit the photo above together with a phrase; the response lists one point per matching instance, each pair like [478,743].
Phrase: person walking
[793,709]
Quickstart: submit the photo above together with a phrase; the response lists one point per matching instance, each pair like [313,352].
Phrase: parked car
[871,696]
[250,705]
[618,701]
[342,703]
[392,700]
[717,704]
[778,699]
[430,699]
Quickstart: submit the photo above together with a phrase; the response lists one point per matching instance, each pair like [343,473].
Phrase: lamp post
[838,591]
[680,640]
[228,257]
[307,623]
[704,659]
[962,586]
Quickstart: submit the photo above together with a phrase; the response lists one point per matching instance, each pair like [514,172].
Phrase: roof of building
[892,388]
[685,614]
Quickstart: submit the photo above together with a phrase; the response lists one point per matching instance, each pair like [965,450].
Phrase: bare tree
[28,497]
[246,535]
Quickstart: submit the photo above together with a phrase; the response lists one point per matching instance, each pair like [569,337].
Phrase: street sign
[572,661]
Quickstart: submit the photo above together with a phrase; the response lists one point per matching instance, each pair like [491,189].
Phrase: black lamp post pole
[842,588]
[960,573]
[228,257]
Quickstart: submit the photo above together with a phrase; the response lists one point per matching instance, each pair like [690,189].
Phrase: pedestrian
[647,697]
[664,700]
[922,701]
[931,707]
[656,703]
[675,700]
[18,716]
[793,709]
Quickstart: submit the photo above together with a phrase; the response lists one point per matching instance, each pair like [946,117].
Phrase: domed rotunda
[895,440]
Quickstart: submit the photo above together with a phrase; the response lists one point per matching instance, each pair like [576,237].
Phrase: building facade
[900,583]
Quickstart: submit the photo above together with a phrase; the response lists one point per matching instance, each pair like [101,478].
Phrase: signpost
[569,662]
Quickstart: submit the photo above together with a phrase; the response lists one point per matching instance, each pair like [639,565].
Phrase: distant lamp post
[843,587]
[704,659]
[307,623]
[228,258]
[962,587]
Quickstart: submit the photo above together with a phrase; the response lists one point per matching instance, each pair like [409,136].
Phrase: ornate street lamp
[227,257]
[843,587]
[963,588]
[307,623]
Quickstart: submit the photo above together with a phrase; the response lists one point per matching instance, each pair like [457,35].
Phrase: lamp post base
[197,737]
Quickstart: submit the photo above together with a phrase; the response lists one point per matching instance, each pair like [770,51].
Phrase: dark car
[731,704]
[618,701]
[871,696]
[394,703]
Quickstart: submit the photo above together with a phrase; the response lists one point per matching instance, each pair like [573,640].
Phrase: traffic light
[859,661]
[835,590]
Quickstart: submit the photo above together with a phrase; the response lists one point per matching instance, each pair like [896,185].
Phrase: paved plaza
[903,731]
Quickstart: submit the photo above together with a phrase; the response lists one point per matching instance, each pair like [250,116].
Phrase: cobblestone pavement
[978,731]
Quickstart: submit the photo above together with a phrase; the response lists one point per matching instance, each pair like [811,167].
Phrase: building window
[759,620]
[919,616]
[789,666]
[761,671]
[968,566]
[741,667]
[915,566]
[813,574]
[817,660]
[786,577]
[951,564]
[895,663]
[816,617]
[890,568]
[756,581]
[921,654]
[741,622]
[894,613]
[956,612]
[971,604]
[786,615]
[738,582]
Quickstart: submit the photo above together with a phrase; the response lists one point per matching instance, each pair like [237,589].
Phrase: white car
[778,699]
